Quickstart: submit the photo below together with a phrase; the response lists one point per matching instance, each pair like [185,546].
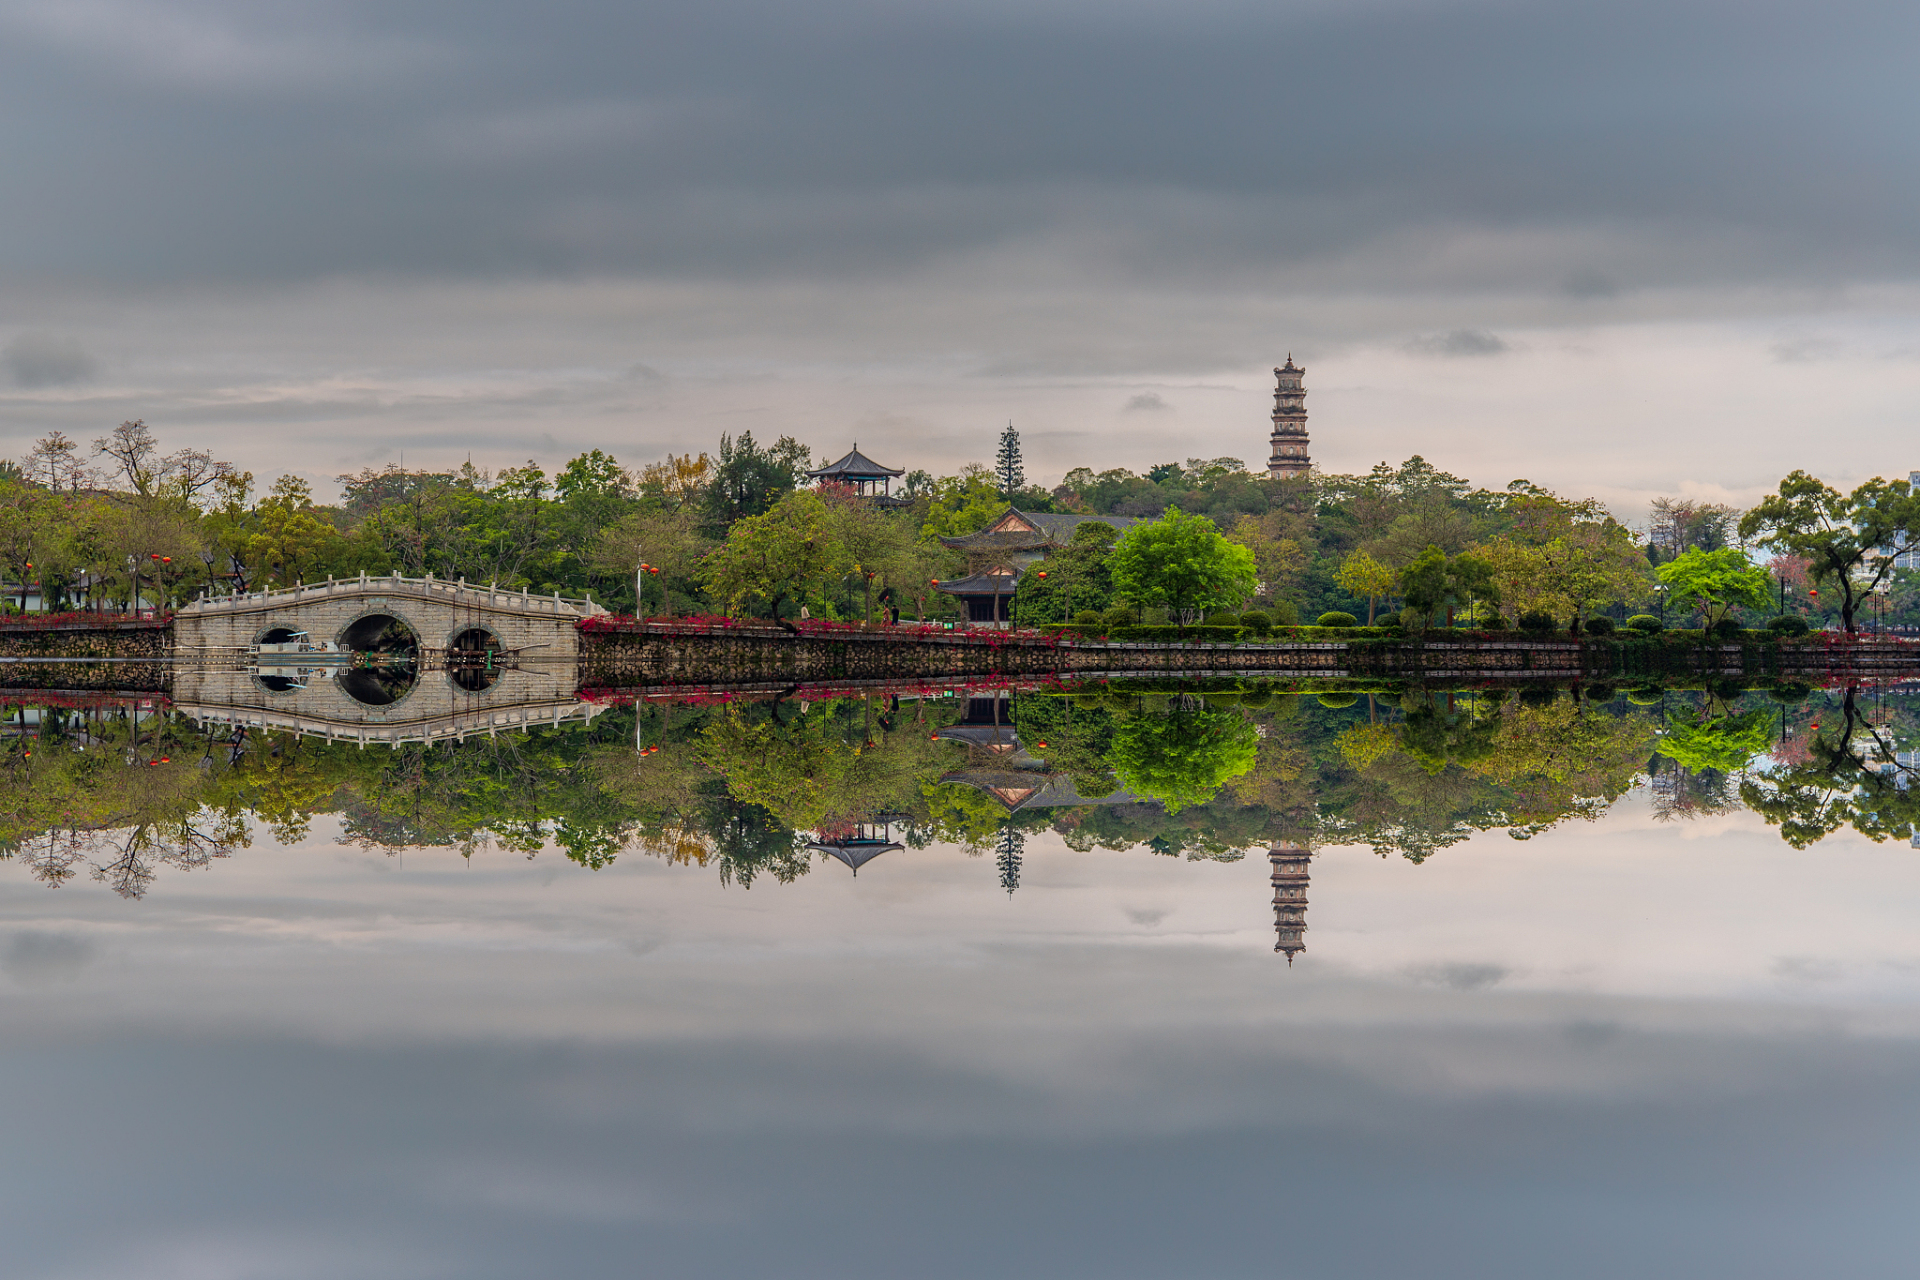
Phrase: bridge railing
[458,591]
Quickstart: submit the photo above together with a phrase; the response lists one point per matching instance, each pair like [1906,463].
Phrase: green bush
[1601,693]
[1601,626]
[1338,700]
[1089,618]
[1284,613]
[1788,624]
[1337,619]
[1493,622]
[1256,622]
[1536,622]
[1645,622]
[1790,693]
[1121,615]
[1727,628]
[1647,697]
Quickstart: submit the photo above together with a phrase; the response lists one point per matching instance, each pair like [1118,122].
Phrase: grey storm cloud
[39,360]
[180,141]
[1147,402]
[1459,342]
[35,955]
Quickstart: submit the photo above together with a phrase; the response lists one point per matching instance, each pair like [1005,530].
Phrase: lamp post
[640,590]
[160,562]
[133,568]
[868,575]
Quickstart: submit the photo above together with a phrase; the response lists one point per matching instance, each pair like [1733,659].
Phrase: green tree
[1846,539]
[669,541]
[1725,743]
[961,504]
[1848,779]
[1180,562]
[748,480]
[1434,582]
[1717,581]
[775,556]
[1363,577]
[1006,464]
[1182,757]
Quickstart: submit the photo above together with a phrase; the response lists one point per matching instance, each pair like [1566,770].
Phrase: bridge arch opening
[473,659]
[386,659]
[280,683]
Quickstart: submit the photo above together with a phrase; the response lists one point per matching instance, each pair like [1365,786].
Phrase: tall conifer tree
[1006,464]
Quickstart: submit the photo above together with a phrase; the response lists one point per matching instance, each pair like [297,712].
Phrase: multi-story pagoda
[869,479]
[1289,456]
[1290,874]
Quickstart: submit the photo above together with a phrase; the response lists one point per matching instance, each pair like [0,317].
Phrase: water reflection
[774,785]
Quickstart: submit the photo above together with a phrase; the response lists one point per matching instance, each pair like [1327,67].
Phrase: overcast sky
[1623,250]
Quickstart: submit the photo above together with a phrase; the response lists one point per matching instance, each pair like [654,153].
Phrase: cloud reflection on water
[478,1069]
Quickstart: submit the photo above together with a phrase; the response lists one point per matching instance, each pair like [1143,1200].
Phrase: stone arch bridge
[390,659]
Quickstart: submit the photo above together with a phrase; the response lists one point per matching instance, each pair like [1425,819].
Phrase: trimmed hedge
[1601,626]
[1788,625]
[1645,622]
[1337,619]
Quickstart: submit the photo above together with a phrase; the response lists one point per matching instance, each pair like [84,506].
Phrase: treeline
[740,531]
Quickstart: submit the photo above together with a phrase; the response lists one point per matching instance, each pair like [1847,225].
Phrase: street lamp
[868,575]
[133,568]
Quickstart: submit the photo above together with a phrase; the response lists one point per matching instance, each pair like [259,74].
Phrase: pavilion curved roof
[855,466]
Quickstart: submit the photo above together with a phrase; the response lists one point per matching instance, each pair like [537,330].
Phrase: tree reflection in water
[757,790]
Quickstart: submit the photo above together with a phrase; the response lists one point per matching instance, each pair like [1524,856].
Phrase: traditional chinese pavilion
[859,844]
[1001,552]
[869,479]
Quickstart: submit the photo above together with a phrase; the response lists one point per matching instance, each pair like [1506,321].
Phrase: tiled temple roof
[1046,529]
[855,466]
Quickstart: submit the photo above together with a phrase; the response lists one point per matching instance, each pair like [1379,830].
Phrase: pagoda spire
[1289,440]
[1290,875]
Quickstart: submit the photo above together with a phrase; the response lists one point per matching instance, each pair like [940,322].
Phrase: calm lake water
[1652,1039]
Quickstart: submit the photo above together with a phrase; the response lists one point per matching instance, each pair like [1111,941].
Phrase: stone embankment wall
[617,654]
[101,654]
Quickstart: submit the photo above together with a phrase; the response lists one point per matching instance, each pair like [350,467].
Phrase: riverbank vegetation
[766,790]
[739,530]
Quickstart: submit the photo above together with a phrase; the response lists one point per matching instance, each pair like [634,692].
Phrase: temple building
[1290,874]
[1001,552]
[998,764]
[869,479]
[1289,424]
